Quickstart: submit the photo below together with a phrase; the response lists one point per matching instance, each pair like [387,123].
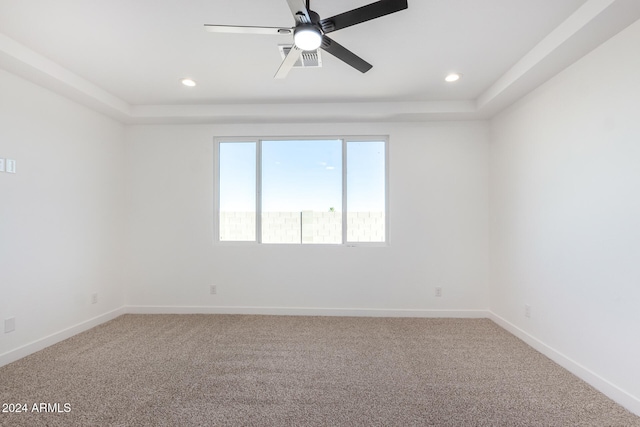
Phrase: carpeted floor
[198,370]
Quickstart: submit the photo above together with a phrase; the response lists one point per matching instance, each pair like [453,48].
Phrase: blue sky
[302,175]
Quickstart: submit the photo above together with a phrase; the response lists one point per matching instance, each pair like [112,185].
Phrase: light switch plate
[1,165]
[11,165]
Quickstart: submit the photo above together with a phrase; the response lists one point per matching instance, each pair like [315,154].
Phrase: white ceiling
[126,58]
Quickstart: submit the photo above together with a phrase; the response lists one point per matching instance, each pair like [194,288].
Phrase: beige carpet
[197,370]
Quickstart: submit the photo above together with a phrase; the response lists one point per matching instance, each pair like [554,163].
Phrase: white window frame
[258,141]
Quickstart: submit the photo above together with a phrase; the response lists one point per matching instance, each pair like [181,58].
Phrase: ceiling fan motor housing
[315,18]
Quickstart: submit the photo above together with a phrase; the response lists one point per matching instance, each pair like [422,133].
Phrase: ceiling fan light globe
[307,37]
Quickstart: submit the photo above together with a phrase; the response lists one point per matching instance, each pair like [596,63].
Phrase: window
[237,191]
[302,191]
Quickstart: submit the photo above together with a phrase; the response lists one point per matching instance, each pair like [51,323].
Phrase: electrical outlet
[94,298]
[527,310]
[213,289]
[1,165]
[10,165]
[438,291]
[9,325]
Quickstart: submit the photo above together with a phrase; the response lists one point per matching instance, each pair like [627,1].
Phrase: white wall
[438,227]
[565,216]
[61,214]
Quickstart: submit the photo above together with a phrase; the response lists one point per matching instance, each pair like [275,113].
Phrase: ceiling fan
[310,32]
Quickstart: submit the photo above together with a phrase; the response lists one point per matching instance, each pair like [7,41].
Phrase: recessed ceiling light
[188,82]
[453,77]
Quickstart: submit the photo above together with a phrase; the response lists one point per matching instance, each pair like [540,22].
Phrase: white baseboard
[307,311]
[614,392]
[32,347]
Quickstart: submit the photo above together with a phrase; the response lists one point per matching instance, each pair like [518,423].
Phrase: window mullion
[216,190]
[344,191]
[259,191]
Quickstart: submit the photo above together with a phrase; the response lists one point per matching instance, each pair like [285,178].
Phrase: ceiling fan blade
[343,54]
[299,11]
[288,62]
[362,14]
[247,30]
